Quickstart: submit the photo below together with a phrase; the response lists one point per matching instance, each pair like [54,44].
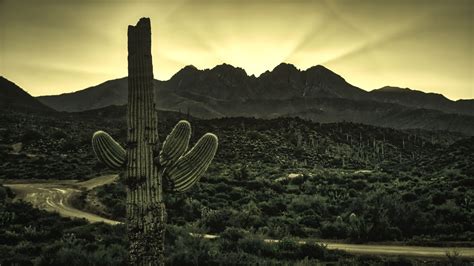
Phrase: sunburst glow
[62,46]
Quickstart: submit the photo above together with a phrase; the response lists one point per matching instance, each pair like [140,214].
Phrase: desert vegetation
[282,179]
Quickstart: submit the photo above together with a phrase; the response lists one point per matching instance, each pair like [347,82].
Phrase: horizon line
[247,74]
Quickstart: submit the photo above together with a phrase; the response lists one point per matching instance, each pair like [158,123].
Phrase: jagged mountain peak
[323,73]
[190,67]
[190,73]
[285,67]
[186,71]
[227,67]
[229,70]
[320,70]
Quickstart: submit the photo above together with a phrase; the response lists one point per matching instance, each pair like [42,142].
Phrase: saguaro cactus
[150,168]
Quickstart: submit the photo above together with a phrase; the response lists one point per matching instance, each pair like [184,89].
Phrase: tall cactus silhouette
[150,171]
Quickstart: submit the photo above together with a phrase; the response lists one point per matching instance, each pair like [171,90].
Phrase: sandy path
[56,197]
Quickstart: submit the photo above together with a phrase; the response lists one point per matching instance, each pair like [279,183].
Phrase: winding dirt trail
[56,197]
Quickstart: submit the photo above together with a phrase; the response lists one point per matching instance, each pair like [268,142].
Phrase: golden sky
[55,46]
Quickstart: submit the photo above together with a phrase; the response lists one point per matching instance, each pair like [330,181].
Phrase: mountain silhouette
[418,99]
[316,93]
[14,98]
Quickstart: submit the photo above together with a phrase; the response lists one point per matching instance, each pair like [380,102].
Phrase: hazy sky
[50,47]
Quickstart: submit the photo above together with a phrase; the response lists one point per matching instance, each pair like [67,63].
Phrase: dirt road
[394,250]
[56,196]
[412,251]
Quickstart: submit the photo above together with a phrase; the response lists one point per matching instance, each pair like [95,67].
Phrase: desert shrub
[334,230]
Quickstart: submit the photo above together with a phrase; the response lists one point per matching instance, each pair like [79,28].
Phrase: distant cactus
[354,227]
[353,218]
[150,169]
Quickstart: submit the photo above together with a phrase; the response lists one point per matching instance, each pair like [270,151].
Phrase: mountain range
[316,93]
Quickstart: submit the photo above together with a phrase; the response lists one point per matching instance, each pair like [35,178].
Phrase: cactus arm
[189,168]
[107,150]
[176,143]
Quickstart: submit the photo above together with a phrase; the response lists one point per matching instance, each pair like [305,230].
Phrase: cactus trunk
[145,207]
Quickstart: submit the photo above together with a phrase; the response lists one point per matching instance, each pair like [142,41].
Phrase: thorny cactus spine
[147,171]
